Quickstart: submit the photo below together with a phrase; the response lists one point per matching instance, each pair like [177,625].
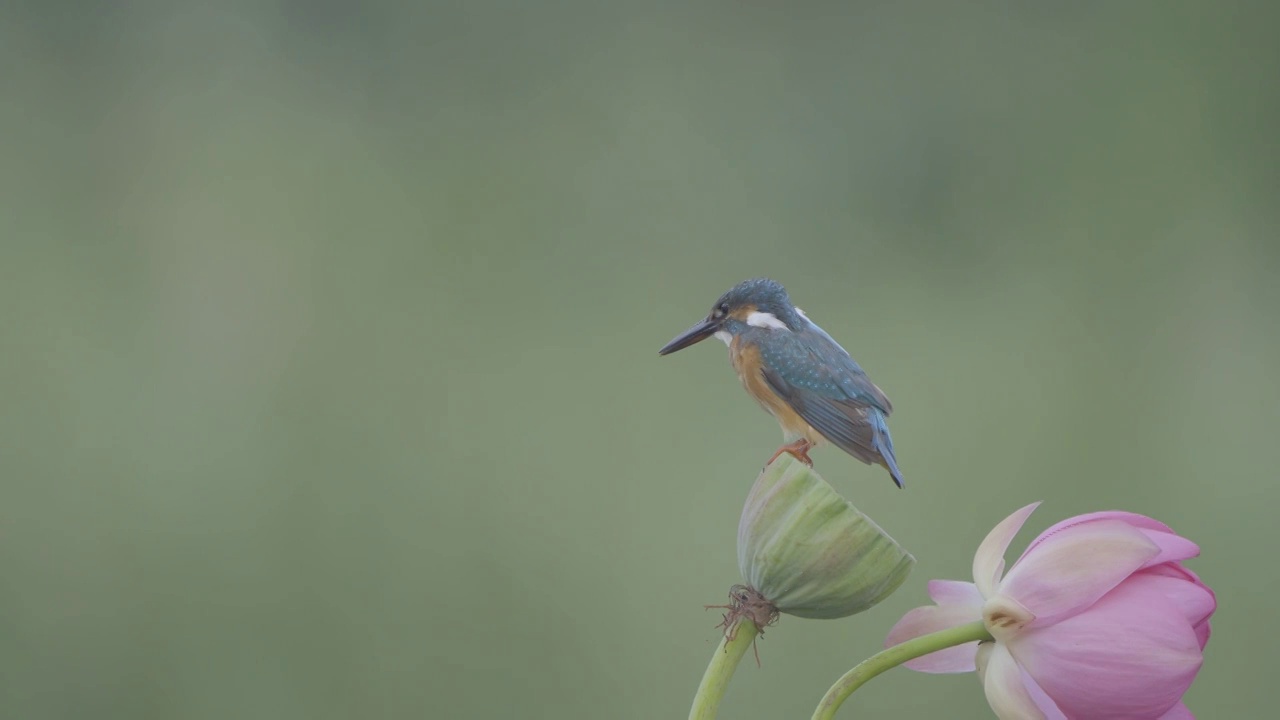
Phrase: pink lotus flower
[1097,620]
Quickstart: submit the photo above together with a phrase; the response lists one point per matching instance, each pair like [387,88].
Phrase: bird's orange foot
[798,449]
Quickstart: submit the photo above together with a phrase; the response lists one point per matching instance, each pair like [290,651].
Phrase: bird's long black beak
[696,334]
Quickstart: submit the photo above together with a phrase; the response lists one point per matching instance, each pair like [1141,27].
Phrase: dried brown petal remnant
[746,602]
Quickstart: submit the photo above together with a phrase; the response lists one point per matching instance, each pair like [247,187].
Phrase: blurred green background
[328,365]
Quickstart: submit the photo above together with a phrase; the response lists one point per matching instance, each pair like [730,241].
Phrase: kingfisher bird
[799,374]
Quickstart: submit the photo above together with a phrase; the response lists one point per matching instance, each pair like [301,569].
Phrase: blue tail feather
[884,445]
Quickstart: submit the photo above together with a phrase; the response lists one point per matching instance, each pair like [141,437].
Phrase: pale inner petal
[1002,682]
[988,562]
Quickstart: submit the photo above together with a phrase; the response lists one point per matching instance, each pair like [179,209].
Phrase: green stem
[716,680]
[892,657]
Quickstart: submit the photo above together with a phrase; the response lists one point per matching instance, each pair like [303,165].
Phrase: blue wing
[818,379]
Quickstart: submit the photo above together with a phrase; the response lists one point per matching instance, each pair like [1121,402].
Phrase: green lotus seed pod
[809,551]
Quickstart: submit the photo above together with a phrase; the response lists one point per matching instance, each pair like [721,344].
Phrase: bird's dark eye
[721,309]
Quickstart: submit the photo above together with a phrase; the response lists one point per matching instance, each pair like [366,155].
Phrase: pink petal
[1074,567]
[1142,522]
[1178,712]
[1194,599]
[932,618]
[1131,655]
[1177,570]
[1195,606]
[1172,546]
[955,592]
[988,562]
[1041,699]
[1002,682]
[1202,631]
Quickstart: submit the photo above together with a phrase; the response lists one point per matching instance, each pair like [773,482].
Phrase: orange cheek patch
[741,314]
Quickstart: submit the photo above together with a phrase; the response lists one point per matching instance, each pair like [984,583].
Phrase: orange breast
[746,361]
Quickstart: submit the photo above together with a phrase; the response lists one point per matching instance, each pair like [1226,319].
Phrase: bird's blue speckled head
[759,301]
[757,295]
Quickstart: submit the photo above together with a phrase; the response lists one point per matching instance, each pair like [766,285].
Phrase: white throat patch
[766,320]
[726,337]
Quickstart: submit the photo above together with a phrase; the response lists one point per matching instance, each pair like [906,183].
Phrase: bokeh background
[328,373]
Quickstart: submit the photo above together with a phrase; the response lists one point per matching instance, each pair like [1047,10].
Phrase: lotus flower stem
[892,657]
[725,660]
